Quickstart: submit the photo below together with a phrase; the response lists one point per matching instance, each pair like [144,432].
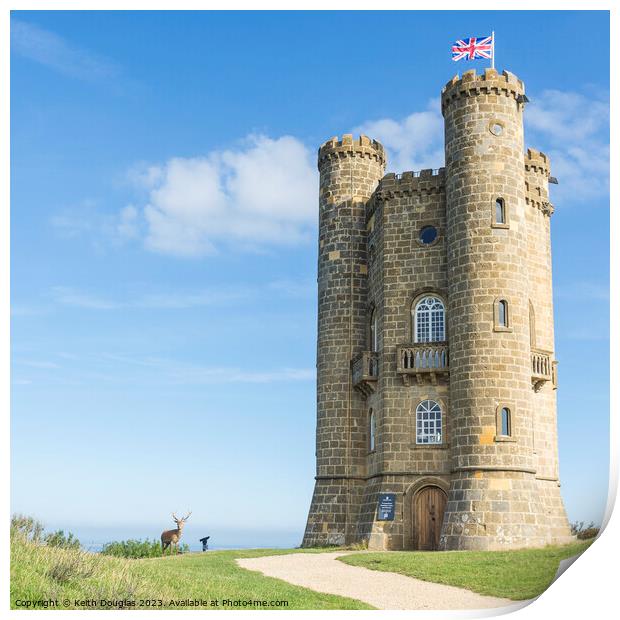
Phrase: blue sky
[163,257]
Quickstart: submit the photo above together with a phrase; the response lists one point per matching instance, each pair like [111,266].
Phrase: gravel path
[323,573]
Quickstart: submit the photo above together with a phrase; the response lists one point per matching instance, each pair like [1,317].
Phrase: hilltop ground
[76,579]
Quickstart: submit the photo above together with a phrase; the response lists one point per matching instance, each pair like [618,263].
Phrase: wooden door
[428,506]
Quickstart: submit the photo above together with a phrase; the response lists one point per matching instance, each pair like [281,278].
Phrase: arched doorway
[428,507]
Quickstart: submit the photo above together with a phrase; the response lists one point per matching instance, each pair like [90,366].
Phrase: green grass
[137,549]
[39,572]
[516,575]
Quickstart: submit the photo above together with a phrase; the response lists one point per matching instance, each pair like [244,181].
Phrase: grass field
[40,573]
[214,580]
[516,575]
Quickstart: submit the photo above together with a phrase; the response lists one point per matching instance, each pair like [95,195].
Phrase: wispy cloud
[175,300]
[49,49]
[303,289]
[178,300]
[40,364]
[70,297]
[573,129]
[20,381]
[412,143]
[587,335]
[184,373]
[88,221]
[262,193]
[592,291]
[27,310]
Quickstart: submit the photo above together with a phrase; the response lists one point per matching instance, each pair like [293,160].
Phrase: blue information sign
[387,504]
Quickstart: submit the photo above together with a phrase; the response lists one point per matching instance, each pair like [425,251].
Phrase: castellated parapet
[436,371]
[362,147]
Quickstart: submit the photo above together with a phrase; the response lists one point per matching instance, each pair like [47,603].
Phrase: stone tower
[436,367]
[349,173]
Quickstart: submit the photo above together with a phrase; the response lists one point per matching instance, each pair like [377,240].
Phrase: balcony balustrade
[543,369]
[430,361]
[365,372]
[423,359]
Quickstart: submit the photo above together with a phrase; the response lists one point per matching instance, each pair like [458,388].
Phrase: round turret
[488,319]
[350,170]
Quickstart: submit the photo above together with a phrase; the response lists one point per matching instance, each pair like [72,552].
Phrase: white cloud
[179,300]
[91,222]
[262,193]
[567,117]
[592,291]
[128,224]
[51,50]
[571,128]
[412,143]
[69,297]
[574,131]
[587,335]
[179,372]
[44,365]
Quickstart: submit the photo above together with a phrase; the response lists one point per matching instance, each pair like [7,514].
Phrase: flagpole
[493,49]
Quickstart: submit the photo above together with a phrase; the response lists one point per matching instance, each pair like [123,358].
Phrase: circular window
[428,234]
[497,129]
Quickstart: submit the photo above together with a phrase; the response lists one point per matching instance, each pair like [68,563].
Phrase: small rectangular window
[504,420]
[499,218]
[501,316]
[500,211]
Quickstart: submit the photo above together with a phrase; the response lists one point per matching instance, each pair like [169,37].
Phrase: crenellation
[389,243]
[362,147]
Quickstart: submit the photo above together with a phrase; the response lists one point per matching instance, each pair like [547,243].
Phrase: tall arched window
[372,431]
[505,422]
[500,211]
[429,320]
[532,326]
[373,331]
[428,422]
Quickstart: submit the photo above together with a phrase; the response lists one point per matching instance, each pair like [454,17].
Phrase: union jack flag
[474,47]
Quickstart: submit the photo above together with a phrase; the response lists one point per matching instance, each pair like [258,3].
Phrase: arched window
[372,431]
[428,422]
[532,326]
[500,211]
[505,422]
[429,320]
[502,313]
[373,331]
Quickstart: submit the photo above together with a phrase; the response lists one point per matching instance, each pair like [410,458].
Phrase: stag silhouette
[172,537]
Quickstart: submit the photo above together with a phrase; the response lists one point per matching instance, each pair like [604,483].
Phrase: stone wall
[349,173]
[503,491]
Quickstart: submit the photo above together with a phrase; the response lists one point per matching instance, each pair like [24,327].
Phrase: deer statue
[172,537]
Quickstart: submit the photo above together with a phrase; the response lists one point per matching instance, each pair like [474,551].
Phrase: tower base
[495,510]
[334,511]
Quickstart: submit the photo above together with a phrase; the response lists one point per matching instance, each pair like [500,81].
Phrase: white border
[588,589]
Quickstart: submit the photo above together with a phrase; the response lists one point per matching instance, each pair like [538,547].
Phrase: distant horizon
[220,537]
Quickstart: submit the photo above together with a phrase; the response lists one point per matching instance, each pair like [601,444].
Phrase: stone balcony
[365,372]
[543,368]
[423,360]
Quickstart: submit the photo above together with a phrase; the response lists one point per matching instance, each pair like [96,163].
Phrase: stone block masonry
[439,283]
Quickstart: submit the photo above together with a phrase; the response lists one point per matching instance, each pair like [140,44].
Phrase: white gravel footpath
[383,590]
